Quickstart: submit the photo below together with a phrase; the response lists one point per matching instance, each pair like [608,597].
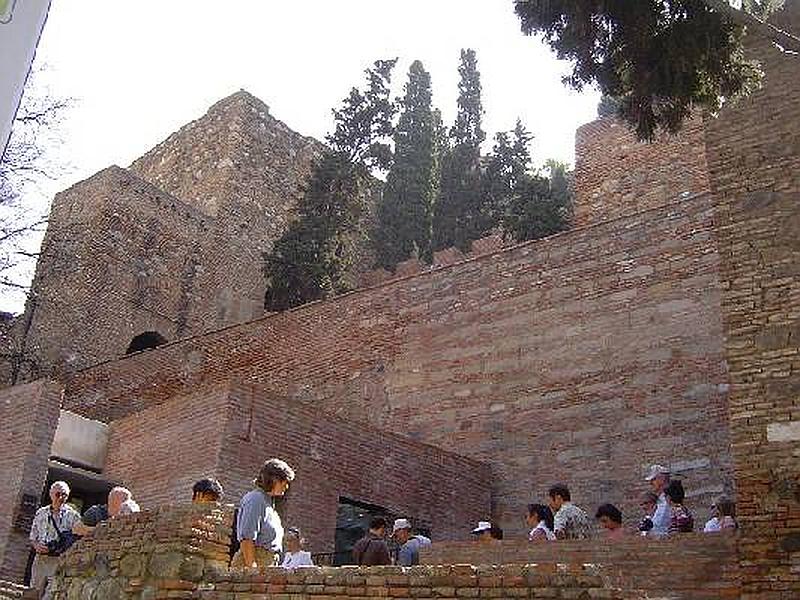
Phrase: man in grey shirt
[259,522]
[408,553]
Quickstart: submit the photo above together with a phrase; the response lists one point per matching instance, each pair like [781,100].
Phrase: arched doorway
[145,341]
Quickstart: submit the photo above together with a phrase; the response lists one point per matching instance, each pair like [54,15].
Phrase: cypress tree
[458,215]
[405,213]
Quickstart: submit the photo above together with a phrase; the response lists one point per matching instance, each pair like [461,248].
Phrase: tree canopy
[458,212]
[658,59]
[405,212]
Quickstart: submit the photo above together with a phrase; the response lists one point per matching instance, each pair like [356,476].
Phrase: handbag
[64,541]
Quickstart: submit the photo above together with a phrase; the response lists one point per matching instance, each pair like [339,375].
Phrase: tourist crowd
[260,540]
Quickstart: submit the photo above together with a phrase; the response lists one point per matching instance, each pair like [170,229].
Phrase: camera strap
[53,521]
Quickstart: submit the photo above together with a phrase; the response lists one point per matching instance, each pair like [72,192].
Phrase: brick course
[687,567]
[177,552]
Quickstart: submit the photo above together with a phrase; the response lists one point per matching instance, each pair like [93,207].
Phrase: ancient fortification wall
[617,175]
[228,431]
[173,245]
[581,357]
[247,169]
[119,258]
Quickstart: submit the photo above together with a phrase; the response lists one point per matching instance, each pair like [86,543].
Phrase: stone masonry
[181,552]
[582,357]
[174,244]
[662,328]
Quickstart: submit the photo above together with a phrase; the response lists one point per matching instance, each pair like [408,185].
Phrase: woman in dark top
[681,520]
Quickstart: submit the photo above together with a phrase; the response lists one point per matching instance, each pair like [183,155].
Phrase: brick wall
[754,157]
[581,357]
[686,567]
[159,453]
[228,431]
[615,174]
[29,414]
[179,551]
[337,457]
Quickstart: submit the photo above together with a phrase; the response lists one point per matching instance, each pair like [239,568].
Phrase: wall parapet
[689,566]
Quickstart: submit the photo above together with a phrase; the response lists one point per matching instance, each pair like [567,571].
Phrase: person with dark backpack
[51,535]
[372,549]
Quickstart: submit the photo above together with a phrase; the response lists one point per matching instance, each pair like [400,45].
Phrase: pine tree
[660,59]
[405,213]
[311,260]
[458,215]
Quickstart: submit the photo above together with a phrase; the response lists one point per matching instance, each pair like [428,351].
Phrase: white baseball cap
[655,471]
[400,524]
[482,526]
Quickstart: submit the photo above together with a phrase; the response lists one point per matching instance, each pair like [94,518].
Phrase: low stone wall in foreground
[182,551]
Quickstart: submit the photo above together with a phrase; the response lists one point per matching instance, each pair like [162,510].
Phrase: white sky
[140,70]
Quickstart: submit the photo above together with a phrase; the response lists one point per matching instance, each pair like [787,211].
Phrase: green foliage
[405,213]
[541,206]
[608,107]
[504,171]
[458,215]
[526,205]
[659,58]
[311,259]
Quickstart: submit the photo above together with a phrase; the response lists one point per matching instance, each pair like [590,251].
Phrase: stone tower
[170,247]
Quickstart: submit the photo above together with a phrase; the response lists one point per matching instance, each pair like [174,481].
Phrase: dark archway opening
[145,341]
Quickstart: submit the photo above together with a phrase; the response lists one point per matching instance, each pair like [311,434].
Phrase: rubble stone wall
[247,169]
[119,259]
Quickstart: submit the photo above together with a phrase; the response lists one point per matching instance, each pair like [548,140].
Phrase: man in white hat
[487,533]
[658,476]
[408,554]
